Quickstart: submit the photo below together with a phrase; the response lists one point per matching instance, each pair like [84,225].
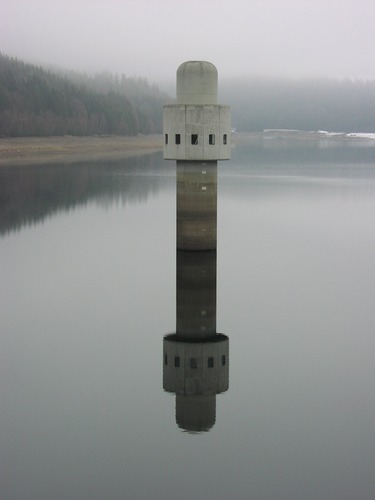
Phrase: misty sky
[333,38]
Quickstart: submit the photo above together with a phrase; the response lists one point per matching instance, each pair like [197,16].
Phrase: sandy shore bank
[32,150]
[68,149]
[35,150]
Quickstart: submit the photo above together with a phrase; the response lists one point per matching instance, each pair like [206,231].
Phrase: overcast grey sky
[334,38]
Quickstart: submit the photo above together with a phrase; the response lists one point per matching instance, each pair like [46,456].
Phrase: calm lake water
[88,292]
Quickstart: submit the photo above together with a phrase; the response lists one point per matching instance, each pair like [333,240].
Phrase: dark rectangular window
[166,138]
[211,139]
[194,139]
[177,361]
[223,360]
[165,359]
[224,138]
[178,139]
[193,363]
[210,362]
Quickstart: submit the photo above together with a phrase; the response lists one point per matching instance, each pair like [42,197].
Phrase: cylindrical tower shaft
[196,193]
[196,135]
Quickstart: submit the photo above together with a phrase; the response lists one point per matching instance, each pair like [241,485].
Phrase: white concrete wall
[202,120]
[196,83]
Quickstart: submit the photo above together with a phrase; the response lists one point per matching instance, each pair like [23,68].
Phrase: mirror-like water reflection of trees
[29,194]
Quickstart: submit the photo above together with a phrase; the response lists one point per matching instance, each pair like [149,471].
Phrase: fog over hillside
[328,104]
[149,38]
[282,64]
[36,101]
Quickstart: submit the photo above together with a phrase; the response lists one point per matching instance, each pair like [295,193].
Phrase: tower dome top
[196,83]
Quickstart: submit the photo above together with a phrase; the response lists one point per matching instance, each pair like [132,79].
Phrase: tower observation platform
[196,127]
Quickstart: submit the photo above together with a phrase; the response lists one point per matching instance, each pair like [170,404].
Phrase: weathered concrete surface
[210,124]
[196,184]
[196,128]
[196,83]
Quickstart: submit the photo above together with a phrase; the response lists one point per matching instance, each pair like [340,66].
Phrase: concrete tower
[196,135]
[196,357]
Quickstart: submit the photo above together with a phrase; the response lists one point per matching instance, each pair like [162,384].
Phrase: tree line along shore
[36,101]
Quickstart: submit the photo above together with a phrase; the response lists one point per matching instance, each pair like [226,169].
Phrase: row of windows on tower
[194,139]
[194,361]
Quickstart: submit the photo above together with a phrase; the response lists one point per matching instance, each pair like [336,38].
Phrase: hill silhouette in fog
[36,101]
[309,104]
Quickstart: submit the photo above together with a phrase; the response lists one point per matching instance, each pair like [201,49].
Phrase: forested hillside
[38,102]
[311,104]
[44,102]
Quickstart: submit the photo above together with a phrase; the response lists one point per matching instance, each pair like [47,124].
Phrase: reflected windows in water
[193,363]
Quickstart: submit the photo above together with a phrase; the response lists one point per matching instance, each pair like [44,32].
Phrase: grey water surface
[88,292]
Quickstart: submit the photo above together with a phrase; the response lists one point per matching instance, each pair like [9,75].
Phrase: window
[193,363]
[178,139]
[210,362]
[166,138]
[194,139]
[177,361]
[223,360]
[224,138]
[211,139]
[165,359]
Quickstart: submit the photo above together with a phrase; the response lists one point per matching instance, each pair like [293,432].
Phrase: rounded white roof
[196,83]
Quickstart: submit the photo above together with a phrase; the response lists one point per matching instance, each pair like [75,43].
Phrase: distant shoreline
[67,149]
[32,150]
[302,135]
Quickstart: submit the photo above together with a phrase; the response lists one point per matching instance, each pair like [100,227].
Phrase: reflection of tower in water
[196,357]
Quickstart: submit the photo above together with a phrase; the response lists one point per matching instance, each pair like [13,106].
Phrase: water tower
[196,357]
[196,135]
